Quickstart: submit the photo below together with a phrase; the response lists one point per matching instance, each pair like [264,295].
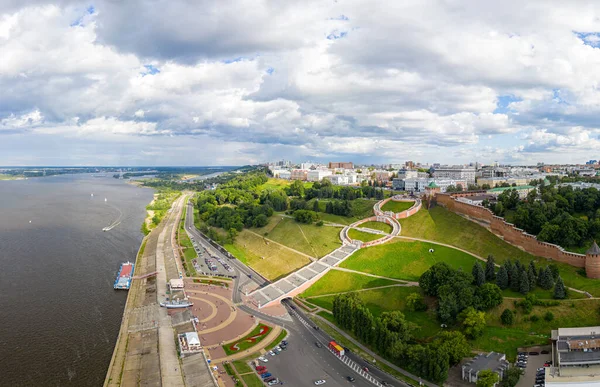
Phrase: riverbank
[11,177]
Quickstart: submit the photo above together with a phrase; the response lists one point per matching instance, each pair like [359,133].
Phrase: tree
[487,378]
[261,220]
[524,283]
[502,278]
[478,274]
[436,276]
[549,316]
[455,344]
[415,302]
[488,296]
[546,281]
[531,275]
[473,322]
[316,206]
[459,188]
[560,292]
[297,188]
[507,317]
[512,376]
[490,268]
[515,277]
[305,216]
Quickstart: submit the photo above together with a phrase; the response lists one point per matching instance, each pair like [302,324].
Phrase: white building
[317,175]
[419,184]
[577,358]
[455,173]
[338,179]
[284,174]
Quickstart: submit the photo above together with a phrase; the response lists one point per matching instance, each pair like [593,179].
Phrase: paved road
[324,338]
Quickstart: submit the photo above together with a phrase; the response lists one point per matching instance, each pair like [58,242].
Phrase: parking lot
[533,363]
[219,264]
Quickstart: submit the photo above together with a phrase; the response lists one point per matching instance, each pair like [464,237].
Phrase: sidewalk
[374,355]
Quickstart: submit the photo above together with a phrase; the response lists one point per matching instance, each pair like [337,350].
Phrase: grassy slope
[323,239]
[406,260]
[363,236]
[524,332]
[361,208]
[390,299]
[336,281]
[441,225]
[278,261]
[397,206]
[377,226]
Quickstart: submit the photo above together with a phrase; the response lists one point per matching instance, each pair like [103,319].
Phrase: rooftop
[519,187]
[594,250]
[492,361]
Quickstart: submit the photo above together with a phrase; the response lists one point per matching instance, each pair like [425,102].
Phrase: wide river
[59,314]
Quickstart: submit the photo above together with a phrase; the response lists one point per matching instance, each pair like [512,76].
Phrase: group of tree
[523,279]
[305,216]
[457,291]
[564,216]
[335,207]
[391,335]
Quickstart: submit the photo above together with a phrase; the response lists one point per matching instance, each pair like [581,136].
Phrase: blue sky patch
[270,70]
[341,17]
[589,38]
[91,10]
[150,70]
[335,35]
[234,60]
[504,101]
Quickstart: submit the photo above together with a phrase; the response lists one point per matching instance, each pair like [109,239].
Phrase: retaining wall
[516,236]
[398,215]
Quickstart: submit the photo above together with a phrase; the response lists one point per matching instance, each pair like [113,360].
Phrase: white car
[319,382]
[272,353]
[263,359]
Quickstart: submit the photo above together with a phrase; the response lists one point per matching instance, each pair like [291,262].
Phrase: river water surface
[59,314]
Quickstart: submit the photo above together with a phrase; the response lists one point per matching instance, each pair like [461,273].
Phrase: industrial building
[493,361]
[576,357]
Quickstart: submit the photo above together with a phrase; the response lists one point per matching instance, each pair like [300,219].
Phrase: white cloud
[393,80]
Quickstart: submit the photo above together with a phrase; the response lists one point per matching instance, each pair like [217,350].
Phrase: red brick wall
[518,237]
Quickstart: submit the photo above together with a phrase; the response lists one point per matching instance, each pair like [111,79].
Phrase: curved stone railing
[398,215]
[378,218]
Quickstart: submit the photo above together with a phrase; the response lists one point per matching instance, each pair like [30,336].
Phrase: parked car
[267,380]
[534,353]
[263,359]
[262,372]
[284,342]
[273,382]
[545,352]
[264,376]
[260,368]
[271,353]
[319,345]
[319,382]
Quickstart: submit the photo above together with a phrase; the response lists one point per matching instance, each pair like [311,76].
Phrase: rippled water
[59,315]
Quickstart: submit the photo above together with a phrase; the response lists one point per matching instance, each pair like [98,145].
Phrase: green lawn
[541,294]
[363,236]
[252,380]
[361,208]
[377,226]
[406,260]
[316,241]
[245,342]
[242,366]
[390,299]
[524,332]
[269,259]
[186,245]
[274,183]
[337,281]
[397,206]
[441,225]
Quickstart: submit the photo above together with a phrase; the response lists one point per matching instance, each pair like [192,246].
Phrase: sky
[204,82]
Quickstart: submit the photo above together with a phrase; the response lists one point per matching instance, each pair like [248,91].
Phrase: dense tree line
[564,216]
[525,278]
[457,290]
[391,335]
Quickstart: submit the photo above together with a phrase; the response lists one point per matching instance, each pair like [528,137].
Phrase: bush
[305,216]
[534,318]
[549,316]
[415,302]
[320,223]
[507,317]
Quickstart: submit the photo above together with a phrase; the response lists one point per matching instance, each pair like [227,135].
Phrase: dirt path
[284,246]
[374,275]
[307,241]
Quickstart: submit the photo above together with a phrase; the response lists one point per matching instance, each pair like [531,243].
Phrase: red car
[259,368]
[262,371]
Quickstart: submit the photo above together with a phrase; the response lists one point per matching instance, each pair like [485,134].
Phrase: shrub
[534,318]
[320,223]
[415,302]
[507,317]
[549,316]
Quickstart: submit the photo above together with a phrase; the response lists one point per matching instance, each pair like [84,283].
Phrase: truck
[335,347]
